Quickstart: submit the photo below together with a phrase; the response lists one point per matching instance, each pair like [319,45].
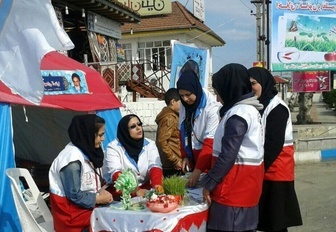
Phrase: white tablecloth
[184,218]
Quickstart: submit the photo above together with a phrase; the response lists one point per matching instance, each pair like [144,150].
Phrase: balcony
[149,84]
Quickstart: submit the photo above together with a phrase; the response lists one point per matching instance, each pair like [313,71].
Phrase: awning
[111,9]
[100,96]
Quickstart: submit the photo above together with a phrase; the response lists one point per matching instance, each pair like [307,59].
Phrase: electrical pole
[262,26]
[258,30]
[262,36]
[267,41]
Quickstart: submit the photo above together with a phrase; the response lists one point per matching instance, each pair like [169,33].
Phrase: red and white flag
[29,29]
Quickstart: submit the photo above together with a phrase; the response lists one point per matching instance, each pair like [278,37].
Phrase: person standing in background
[232,187]
[278,206]
[167,135]
[198,122]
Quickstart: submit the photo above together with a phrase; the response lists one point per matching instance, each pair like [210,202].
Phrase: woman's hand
[178,166]
[141,192]
[159,189]
[186,165]
[206,196]
[193,178]
[104,197]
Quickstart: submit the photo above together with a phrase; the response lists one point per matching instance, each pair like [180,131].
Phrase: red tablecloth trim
[192,219]
[184,224]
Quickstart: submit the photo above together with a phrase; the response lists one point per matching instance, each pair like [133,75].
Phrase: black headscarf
[231,82]
[267,82]
[189,81]
[132,146]
[82,132]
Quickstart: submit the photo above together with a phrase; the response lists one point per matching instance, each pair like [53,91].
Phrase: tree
[305,104]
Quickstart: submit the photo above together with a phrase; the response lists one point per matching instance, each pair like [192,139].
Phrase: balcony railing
[148,84]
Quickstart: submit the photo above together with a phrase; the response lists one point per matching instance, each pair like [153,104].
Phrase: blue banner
[9,220]
[189,56]
[64,82]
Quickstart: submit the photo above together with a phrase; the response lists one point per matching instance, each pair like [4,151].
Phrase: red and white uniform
[242,186]
[68,216]
[148,168]
[204,127]
[282,169]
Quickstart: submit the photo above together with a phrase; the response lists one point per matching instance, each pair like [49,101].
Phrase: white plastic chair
[27,220]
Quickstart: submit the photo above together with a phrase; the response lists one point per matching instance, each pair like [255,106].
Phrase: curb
[315,156]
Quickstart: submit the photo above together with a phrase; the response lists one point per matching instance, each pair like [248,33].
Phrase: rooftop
[179,21]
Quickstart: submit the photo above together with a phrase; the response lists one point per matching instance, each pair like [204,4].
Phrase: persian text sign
[303,35]
[199,9]
[58,82]
[102,25]
[306,82]
[149,7]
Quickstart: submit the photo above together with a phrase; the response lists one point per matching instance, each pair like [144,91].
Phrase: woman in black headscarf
[198,121]
[232,186]
[75,176]
[131,150]
[278,206]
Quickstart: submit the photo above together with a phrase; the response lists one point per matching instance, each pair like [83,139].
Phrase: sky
[233,22]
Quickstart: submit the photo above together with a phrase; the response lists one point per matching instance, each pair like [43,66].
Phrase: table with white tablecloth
[191,216]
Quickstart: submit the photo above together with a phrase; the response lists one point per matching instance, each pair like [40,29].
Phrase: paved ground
[319,113]
[316,190]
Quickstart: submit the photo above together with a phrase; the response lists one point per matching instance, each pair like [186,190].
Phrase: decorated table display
[127,183]
[162,203]
[170,207]
[161,199]
[168,197]
[175,185]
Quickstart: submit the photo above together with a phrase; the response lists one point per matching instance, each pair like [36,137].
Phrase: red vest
[239,188]
[282,169]
[242,185]
[67,216]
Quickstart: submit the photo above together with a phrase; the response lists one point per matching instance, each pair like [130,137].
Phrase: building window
[155,54]
[127,48]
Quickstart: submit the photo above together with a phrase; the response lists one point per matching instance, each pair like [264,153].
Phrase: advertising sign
[58,82]
[199,9]
[303,35]
[149,7]
[307,82]
[102,25]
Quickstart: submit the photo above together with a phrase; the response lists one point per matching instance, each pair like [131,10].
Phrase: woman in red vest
[278,206]
[75,177]
[233,185]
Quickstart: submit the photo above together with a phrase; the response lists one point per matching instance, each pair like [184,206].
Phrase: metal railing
[148,83]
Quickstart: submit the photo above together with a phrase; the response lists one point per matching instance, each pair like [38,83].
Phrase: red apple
[330,56]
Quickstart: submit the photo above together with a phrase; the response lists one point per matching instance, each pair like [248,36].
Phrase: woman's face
[218,98]
[256,87]
[135,128]
[187,96]
[100,136]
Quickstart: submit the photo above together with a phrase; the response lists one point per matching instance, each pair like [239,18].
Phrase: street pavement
[319,113]
[315,184]
[316,190]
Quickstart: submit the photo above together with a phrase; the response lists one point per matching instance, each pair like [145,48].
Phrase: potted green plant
[175,185]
